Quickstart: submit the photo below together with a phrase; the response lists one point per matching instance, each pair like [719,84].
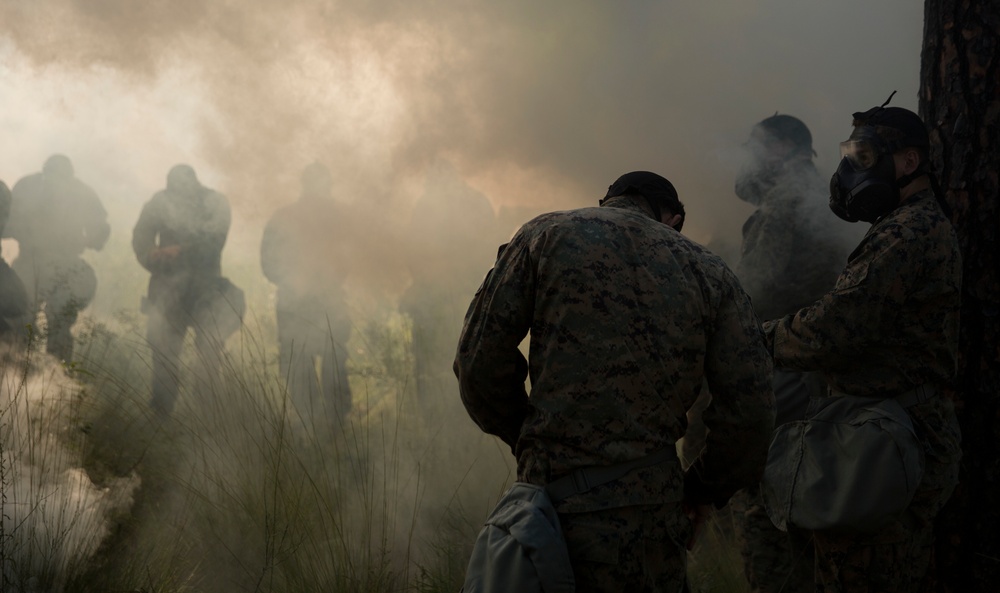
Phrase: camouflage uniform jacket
[305,251]
[891,321]
[791,251]
[199,225]
[56,219]
[627,318]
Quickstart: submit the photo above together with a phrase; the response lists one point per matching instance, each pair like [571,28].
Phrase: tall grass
[237,490]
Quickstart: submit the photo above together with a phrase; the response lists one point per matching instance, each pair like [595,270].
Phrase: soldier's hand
[164,255]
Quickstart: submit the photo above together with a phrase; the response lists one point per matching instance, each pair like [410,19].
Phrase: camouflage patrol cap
[655,188]
[787,127]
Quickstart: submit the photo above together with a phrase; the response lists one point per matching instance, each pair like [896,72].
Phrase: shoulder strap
[583,479]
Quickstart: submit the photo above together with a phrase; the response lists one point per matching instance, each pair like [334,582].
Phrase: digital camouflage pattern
[635,549]
[773,560]
[891,322]
[628,319]
[889,325]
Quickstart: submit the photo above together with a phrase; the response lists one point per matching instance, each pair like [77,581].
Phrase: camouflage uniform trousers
[773,560]
[640,549]
[896,559]
[61,288]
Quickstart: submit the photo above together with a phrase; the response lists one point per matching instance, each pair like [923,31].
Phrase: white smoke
[54,517]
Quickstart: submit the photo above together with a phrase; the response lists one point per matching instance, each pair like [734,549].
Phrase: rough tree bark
[960,101]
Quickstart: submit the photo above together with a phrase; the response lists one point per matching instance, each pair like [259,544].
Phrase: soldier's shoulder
[216,201]
[917,220]
[85,191]
[701,262]
[28,183]
[157,200]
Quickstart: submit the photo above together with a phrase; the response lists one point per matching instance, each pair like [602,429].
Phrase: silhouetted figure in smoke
[304,252]
[55,217]
[179,238]
[792,252]
[454,235]
[13,297]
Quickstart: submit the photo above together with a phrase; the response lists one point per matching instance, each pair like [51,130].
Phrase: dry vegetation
[237,492]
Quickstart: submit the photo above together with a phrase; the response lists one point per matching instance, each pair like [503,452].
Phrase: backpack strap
[583,479]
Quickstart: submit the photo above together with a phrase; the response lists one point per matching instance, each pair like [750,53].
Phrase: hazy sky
[541,104]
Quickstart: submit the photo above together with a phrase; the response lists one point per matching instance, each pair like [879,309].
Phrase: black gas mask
[865,187]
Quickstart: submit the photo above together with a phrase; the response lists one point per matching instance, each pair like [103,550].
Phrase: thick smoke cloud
[535,104]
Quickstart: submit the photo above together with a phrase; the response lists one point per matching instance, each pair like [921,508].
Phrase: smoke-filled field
[442,126]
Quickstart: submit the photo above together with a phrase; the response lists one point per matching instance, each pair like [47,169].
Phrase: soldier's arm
[5,199]
[740,418]
[144,235]
[215,239]
[853,314]
[96,229]
[18,225]
[273,251]
[491,370]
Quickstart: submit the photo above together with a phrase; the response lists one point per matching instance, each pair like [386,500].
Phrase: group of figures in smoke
[308,249]
[55,218]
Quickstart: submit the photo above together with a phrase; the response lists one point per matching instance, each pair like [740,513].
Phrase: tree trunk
[960,101]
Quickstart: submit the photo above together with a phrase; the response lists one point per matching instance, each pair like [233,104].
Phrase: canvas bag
[853,466]
[521,548]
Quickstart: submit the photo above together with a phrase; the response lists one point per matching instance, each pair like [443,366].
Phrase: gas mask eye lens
[861,154]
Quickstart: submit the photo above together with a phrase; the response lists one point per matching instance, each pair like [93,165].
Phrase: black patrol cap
[655,188]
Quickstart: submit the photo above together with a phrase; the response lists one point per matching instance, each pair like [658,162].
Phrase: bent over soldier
[55,217]
[304,252]
[627,320]
[179,238]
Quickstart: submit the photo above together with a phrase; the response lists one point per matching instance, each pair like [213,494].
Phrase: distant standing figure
[304,252]
[179,238]
[791,256]
[454,236]
[55,217]
[13,297]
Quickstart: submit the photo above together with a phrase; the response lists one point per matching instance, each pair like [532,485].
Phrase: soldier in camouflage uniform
[55,217]
[888,328]
[179,238]
[304,251]
[628,319]
[791,255]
